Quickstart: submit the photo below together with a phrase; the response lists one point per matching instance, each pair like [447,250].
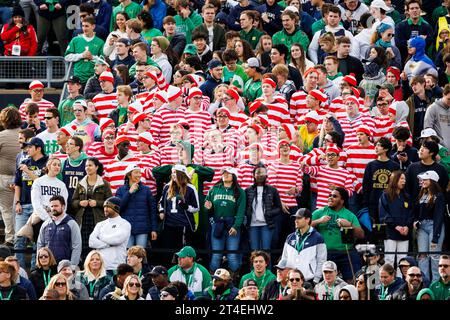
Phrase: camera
[402,154]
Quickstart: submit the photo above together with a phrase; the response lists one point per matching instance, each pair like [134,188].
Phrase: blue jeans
[260,238]
[424,237]
[21,242]
[5,14]
[343,263]
[138,240]
[225,242]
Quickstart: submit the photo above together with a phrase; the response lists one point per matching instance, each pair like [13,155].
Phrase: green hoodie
[425,291]
[225,205]
[298,36]
[186,26]
[440,290]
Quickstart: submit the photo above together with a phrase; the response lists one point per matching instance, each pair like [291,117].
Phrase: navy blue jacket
[404,31]
[29,288]
[128,61]
[396,213]
[390,289]
[182,214]
[209,85]
[306,22]
[24,181]
[58,238]
[138,208]
[274,12]
[235,14]
[412,183]
[412,154]
[103,15]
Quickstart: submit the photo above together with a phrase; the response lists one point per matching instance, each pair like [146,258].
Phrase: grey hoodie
[351,289]
[321,290]
[437,117]
[331,90]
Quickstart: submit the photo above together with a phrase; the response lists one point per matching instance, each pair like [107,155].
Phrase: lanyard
[384,292]
[139,274]
[282,293]
[330,296]
[91,288]
[299,245]
[257,279]
[190,277]
[46,278]
[9,295]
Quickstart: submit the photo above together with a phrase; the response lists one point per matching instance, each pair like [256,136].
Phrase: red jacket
[27,41]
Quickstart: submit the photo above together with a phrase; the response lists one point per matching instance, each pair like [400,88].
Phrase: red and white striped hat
[105,122]
[350,79]
[264,119]
[256,127]
[364,129]
[35,84]
[108,132]
[270,82]
[136,106]
[318,94]
[146,137]
[69,130]
[282,142]
[120,139]
[161,96]
[224,110]
[392,109]
[139,116]
[152,75]
[194,91]
[106,76]
[173,93]
[290,130]
[254,106]
[313,117]
[233,93]
[334,148]
[352,98]
[197,80]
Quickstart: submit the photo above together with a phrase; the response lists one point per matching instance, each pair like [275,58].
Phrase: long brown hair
[431,192]
[179,186]
[260,47]
[392,188]
[300,64]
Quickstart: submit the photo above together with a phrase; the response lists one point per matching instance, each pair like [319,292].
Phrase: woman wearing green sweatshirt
[225,202]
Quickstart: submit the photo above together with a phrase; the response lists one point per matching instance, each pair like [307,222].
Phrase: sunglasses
[134,284]
[390,35]
[415,275]
[48,118]
[294,279]
[60,284]
[44,256]
[443,266]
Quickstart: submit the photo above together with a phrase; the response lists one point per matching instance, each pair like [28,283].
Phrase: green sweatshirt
[441,291]
[260,281]
[251,37]
[225,205]
[186,26]
[298,36]
[65,109]
[133,9]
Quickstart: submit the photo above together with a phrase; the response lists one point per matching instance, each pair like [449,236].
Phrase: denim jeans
[225,242]
[424,237]
[138,240]
[5,14]
[341,258]
[260,238]
[21,242]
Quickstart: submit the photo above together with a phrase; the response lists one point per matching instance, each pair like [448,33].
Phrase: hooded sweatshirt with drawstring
[420,63]
[437,117]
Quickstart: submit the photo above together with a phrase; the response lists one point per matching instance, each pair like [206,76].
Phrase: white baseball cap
[132,167]
[431,174]
[428,132]
[230,170]
[291,8]
[380,4]
[181,168]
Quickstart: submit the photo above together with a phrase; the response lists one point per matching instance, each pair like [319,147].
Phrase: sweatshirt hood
[77,161]
[425,291]
[411,261]
[401,111]
[351,289]
[441,104]
[419,43]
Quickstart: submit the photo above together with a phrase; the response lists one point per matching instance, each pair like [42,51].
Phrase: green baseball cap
[187,251]
[191,49]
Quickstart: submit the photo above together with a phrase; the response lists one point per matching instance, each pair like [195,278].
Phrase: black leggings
[173,238]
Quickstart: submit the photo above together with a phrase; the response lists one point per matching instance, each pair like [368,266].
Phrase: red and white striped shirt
[313,158]
[245,171]
[327,177]
[163,118]
[42,104]
[278,112]
[199,123]
[114,171]
[147,162]
[297,106]
[168,154]
[349,127]
[105,103]
[383,127]
[94,147]
[357,159]
[58,154]
[104,157]
[237,119]
[284,177]
[217,161]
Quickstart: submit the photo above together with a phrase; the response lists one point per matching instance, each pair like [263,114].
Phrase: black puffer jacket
[402,293]
[271,204]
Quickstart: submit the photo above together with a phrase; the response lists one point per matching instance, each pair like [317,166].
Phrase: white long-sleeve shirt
[110,237]
[42,190]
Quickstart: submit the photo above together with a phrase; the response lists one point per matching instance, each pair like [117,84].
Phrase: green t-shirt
[252,90]
[133,9]
[225,205]
[260,281]
[227,74]
[330,231]
[150,34]
[84,69]
[298,36]
[186,26]
[251,37]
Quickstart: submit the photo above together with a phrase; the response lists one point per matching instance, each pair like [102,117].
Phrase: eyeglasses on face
[109,138]
[404,266]
[77,110]
[134,284]
[38,90]
[60,284]
[44,256]
[414,275]
[295,279]
[331,155]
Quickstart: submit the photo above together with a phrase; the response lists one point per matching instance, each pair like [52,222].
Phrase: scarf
[383,44]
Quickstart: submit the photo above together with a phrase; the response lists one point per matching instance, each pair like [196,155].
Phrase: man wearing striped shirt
[37,96]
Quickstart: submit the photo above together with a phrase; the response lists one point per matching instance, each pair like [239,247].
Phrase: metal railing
[52,69]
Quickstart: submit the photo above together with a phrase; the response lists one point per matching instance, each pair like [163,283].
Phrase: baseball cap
[214,63]
[387,86]
[428,132]
[253,63]
[230,170]
[282,264]
[125,41]
[329,266]
[158,270]
[37,143]
[302,213]
[181,168]
[100,60]
[187,251]
[190,49]
[73,79]
[249,282]
[131,167]
[221,274]
[291,8]
[380,4]
[430,174]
